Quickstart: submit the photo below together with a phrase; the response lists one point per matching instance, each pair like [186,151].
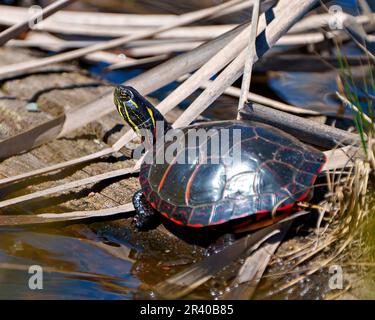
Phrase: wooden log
[67,186]
[29,219]
[302,128]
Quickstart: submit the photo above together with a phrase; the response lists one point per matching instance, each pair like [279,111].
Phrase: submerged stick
[251,272]
[15,30]
[186,281]
[354,108]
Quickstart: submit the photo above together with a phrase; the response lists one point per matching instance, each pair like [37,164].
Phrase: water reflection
[316,91]
[74,268]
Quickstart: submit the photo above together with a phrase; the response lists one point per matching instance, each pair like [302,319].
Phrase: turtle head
[137,111]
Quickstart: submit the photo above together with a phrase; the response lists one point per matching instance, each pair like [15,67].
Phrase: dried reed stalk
[173,99]
[69,185]
[12,15]
[204,32]
[47,131]
[137,63]
[23,26]
[269,36]
[348,202]
[248,68]
[182,20]
[23,220]
[145,83]
[235,92]
[61,21]
[126,138]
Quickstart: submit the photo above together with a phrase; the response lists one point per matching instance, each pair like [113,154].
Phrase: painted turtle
[274,171]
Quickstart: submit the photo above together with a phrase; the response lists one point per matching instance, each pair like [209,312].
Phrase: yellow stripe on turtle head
[151,115]
[134,126]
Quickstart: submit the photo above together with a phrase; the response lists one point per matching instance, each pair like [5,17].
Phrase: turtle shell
[258,170]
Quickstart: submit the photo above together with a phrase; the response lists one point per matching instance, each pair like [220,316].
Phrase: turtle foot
[146,217]
[144,222]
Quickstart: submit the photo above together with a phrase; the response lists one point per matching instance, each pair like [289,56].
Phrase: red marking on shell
[176,221]
[164,177]
[198,225]
[190,181]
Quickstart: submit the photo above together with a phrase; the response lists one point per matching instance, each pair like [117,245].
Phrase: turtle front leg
[147,217]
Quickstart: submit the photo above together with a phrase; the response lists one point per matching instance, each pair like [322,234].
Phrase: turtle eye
[126,95]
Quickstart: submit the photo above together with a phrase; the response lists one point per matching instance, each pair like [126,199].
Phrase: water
[317,91]
[67,254]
